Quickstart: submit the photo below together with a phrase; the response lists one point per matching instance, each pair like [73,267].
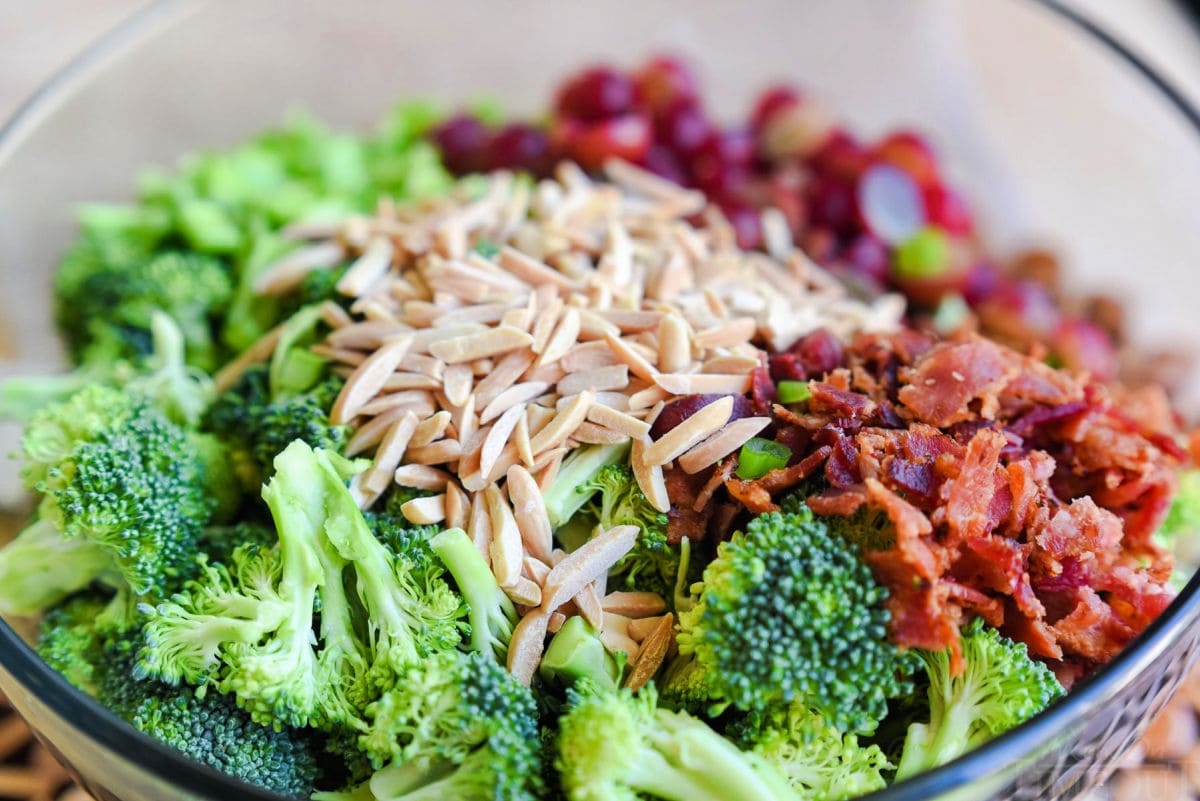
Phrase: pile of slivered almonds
[494,331]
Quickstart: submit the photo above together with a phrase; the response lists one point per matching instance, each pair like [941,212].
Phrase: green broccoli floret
[126,495]
[220,543]
[248,629]
[868,528]
[1180,531]
[70,642]
[818,761]
[786,613]
[999,688]
[209,728]
[491,614]
[454,726]
[617,746]
[572,487]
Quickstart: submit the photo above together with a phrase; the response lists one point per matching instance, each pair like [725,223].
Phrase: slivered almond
[498,436]
[609,377]
[634,604]
[628,355]
[641,628]
[288,273]
[593,326]
[399,381]
[520,438]
[371,434]
[548,373]
[508,552]
[533,271]
[544,322]
[492,342]
[588,356]
[674,344]
[652,654]
[503,375]
[582,566]
[458,506]
[368,268]
[730,364]
[646,398]
[694,429]
[479,526]
[618,422]
[566,333]
[530,510]
[481,367]
[465,421]
[722,443]
[564,422]
[513,396]
[556,622]
[487,313]
[528,642]
[524,592]
[368,379]
[508,457]
[616,642]
[587,601]
[536,569]
[592,434]
[414,400]
[367,334]
[649,477]
[390,452]
[430,429]
[631,321]
[456,383]
[518,318]
[440,452]
[260,351]
[340,355]
[421,476]
[703,383]
[425,511]
[726,335]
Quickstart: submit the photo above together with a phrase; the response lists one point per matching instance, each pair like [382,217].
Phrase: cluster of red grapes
[880,214]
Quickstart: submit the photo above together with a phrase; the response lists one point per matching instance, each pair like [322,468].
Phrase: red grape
[521,147]
[946,209]
[681,409]
[982,280]
[684,128]
[592,143]
[831,203]
[664,163]
[771,101]
[841,155]
[910,152]
[463,140]
[596,93]
[890,203]
[869,257]
[1083,345]
[747,224]
[663,82]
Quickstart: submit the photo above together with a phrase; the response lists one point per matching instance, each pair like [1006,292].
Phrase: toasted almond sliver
[417,401]
[518,394]
[592,434]
[674,344]
[548,373]
[722,443]
[732,365]
[536,569]
[694,429]
[587,601]
[260,351]
[465,421]
[530,510]
[588,356]
[431,429]
[368,379]
[726,335]
[650,478]
[507,550]
[367,268]
[610,377]
[640,628]
[618,422]
[390,452]
[566,333]
[335,316]
[492,342]
[646,398]
[565,421]
[365,334]
[524,592]
[479,526]
[456,383]
[532,270]
[288,273]
[546,467]
[520,438]
[616,642]
[421,476]
[498,436]
[401,381]
[631,321]
[703,383]
[637,364]
[528,641]
[544,322]
[458,506]
[425,511]
[583,565]
[372,433]
[504,374]
[634,604]
[556,622]
[652,654]
[440,452]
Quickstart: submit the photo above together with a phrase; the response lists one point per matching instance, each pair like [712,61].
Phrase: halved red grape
[983,279]
[592,143]
[596,93]
[910,152]
[946,209]
[663,82]
[831,203]
[463,140]
[794,131]
[841,155]
[772,100]
[869,257]
[521,147]
[818,353]
[890,203]
[747,224]
[684,128]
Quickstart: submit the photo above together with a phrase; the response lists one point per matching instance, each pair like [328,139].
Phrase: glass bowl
[1049,124]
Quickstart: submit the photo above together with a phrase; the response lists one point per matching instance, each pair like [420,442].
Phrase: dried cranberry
[819,352]
[596,93]
[831,203]
[463,141]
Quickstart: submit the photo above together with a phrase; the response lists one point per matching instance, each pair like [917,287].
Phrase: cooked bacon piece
[1079,529]
[829,399]
[785,478]
[1092,630]
[969,598]
[682,520]
[762,390]
[968,498]
[947,379]
[837,503]
[751,494]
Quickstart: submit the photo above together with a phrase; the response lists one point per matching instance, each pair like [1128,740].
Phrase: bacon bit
[969,496]
[715,482]
[933,395]
[787,477]
[752,495]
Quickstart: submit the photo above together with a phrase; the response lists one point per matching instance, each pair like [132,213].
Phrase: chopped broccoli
[787,613]
[248,628]
[617,746]
[70,642]
[820,762]
[576,653]
[220,543]
[1000,687]
[455,726]
[489,611]
[572,487]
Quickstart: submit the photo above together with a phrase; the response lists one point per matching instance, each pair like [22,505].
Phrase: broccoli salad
[451,462]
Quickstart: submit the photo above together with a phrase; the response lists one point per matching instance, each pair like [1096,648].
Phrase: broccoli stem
[576,653]
[490,612]
[42,567]
[564,498]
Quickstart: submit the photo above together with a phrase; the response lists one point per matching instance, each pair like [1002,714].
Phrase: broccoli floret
[617,746]
[999,688]
[491,614]
[788,612]
[70,642]
[248,629]
[126,495]
[868,528]
[572,487]
[455,726]
[220,543]
[209,728]
[818,761]
[576,653]
[402,537]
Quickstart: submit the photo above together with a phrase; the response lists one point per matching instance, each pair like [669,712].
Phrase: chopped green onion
[793,391]
[925,255]
[760,456]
